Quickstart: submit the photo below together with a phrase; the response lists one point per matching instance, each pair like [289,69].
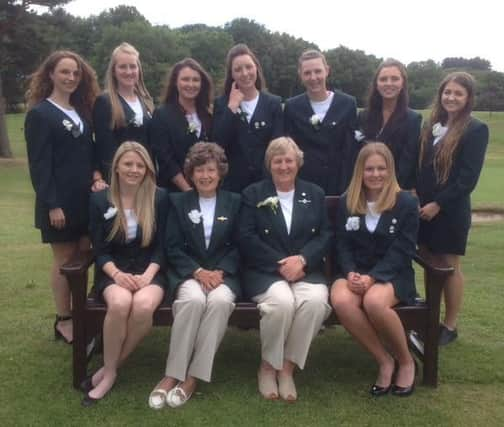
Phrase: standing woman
[246,118]
[60,155]
[183,118]
[202,274]
[452,152]
[284,236]
[322,122]
[388,119]
[126,225]
[376,229]
[123,112]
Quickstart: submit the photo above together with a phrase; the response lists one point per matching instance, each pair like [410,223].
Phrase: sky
[403,29]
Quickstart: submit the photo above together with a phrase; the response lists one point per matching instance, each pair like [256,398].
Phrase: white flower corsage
[242,114]
[438,131]
[352,223]
[359,136]
[195,216]
[271,201]
[192,128]
[68,125]
[111,212]
[315,121]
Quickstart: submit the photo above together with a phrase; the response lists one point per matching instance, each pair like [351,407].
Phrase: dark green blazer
[108,139]
[61,165]
[387,253]
[185,248]
[245,143]
[329,149]
[170,141]
[264,240]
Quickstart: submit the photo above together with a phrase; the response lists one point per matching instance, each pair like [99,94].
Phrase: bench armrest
[79,264]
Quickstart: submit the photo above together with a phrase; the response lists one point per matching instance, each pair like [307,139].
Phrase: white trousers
[199,322]
[291,316]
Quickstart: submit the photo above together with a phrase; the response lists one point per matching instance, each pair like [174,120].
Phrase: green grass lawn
[35,370]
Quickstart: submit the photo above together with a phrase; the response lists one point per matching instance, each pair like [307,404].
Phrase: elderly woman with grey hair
[202,263]
[283,236]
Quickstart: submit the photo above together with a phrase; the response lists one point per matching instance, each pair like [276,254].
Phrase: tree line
[27,38]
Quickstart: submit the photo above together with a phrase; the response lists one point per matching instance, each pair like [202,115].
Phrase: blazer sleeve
[39,148]
[104,135]
[278,119]
[258,254]
[470,163]
[101,246]
[342,255]
[223,127]
[401,251]
[409,159]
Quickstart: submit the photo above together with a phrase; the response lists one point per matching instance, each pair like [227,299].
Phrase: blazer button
[313,230]
[266,231]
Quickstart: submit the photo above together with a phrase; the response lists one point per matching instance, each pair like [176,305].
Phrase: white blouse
[207,206]
[132,225]
[286,199]
[372,217]
[320,107]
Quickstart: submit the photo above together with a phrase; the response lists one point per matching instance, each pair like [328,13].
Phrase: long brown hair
[82,98]
[145,197]
[443,157]
[356,193]
[239,50]
[118,118]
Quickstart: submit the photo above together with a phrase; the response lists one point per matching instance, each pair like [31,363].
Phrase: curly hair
[204,152]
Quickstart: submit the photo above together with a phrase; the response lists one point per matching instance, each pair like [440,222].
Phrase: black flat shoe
[377,390]
[88,401]
[446,336]
[86,384]
[405,391]
[57,334]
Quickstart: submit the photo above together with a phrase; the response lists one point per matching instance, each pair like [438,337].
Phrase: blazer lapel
[196,230]
[277,218]
[220,222]
[302,201]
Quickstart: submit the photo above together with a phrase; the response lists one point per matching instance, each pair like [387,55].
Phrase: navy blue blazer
[264,240]
[131,256]
[454,219]
[171,139]
[387,253]
[108,139]
[185,247]
[245,143]
[330,148]
[61,165]
[402,136]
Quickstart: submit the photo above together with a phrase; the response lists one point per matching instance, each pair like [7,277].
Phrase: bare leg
[348,307]
[453,291]
[378,303]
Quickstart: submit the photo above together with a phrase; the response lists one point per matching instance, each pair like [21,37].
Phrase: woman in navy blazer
[376,228]
[451,158]
[183,118]
[126,226]
[123,112]
[203,264]
[388,119]
[322,123]
[60,156]
[284,235]
[246,118]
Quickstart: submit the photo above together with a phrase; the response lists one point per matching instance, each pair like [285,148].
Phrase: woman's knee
[145,305]
[119,305]
[374,302]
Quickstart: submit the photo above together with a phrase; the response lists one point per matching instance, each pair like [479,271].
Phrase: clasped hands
[209,279]
[291,268]
[132,282]
[429,211]
[359,283]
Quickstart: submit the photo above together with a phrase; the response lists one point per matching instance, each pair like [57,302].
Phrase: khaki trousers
[199,323]
[291,316]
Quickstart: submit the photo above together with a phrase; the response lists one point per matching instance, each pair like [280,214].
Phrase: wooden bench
[420,320]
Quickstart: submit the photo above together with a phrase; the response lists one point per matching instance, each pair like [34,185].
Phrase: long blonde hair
[117,118]
[356,193]
[144,207]
[443,157]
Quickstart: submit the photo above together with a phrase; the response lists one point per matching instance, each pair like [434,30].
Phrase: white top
[70,113]
[286,199]
[320,107]
[442,133]
[249,107]
[132,225]
[372,217]
[136,106]
[207,206]
[194,122]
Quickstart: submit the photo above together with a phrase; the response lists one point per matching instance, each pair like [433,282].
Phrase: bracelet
[302,259]
[195,274]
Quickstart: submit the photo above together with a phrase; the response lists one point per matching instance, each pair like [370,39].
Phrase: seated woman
[376,228]
[202,273]
[284,235]
[126,226]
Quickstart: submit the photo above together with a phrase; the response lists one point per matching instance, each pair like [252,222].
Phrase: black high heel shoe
[377,390]
[405,391]
[88,401]
[57,334]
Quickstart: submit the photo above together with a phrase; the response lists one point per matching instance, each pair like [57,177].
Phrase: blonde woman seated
[126,226]
[376,228]
[284,235]
[202,273]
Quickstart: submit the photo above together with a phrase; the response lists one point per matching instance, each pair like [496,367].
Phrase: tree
[424,78]
[475,63]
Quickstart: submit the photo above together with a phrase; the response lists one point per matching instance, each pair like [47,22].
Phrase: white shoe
[176,397]
[157,398]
